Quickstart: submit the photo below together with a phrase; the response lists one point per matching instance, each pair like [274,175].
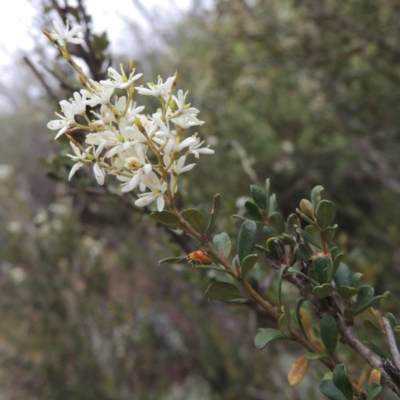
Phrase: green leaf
[347,291]
[284,322]
[374,390]
[341,380]
[356,279]
[281,272]
[306,236]
[330,390]
[248,263]
[376,301]
[303,275]
[277,223]
[342,276]
[222,243]
[265,336]
[364,299]
[240,217]
[304,216]
[273,205]
[336,262]
[195,219]
[329,333]
[214,267]
[323,269]
[323,291]
[370,325]
[247,239]
[329,234]
[293,222]
[267,194]
[259,197]
[173,260]
[299,303]
[378,350]
[167,218]
[326,213]
[253,211]
[392,319]
[272,243]
[304,251]
[223,291]
[316,195]
[214,212]
[315,356]
[307,208]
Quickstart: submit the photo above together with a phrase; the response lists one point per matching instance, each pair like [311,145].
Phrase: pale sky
[17,16]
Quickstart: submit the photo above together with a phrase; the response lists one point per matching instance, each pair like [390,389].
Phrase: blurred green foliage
[302,91]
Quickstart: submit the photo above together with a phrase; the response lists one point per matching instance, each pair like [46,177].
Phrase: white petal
[74,169]
[98,173]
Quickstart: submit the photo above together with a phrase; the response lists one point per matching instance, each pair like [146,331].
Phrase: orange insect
[199,257]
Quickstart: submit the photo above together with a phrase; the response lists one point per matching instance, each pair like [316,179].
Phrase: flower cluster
[144,152]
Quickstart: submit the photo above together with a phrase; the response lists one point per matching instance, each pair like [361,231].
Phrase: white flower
[120,81]
[101,95]
[157,188]
[64,122]
[65,35]
[78,158]
[182,107]
[176,168]
[159,90]
[196,149]
[97,170]
[186,121]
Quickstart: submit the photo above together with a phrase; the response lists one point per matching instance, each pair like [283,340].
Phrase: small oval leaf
[364,299]
[316,195]
[323,291]
[276,222]
[222,243]
[167,218]
[341,380]
[330,390]
[326,213]
[315,356]
[329,333]
[264,336]
[342,275]
[214,212]
[298,371]
[195,219]
[223,291]
[247,239]
[374,390]
[253,211]
[248,263]
[259,197]
[173,260]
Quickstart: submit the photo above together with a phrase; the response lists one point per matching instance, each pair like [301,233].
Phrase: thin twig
[392,342]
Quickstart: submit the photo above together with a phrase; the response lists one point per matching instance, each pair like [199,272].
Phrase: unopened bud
[307,208]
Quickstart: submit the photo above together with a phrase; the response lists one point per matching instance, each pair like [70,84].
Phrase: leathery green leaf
[315,356]
[374,390]
[265,336]
[214,212]
[323,291]
[253,211]
[222,243]
[223,291]
[342,381]
[195,219]
[276,222]
[167,218]
[248,263]
[342,276]
[259,197]
[329,333]
[364,299]
[284,322]
[326,213]
[247,239]
[281,272]
[173,260]
[316,195]
[330,390]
